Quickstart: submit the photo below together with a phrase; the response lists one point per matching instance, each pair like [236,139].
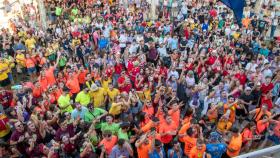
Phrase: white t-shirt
[251,67]
[123,40]
[162,52]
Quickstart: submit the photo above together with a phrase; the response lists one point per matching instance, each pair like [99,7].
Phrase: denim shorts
[31,70]
[275,139]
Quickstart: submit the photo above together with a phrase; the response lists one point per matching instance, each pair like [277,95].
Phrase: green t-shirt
[83,98]
[122,135]
[62,61]
[64,103]
[58,11]
[87,20]
[94,140]
[221,24]
[74,11]
[90,115]
[114,127]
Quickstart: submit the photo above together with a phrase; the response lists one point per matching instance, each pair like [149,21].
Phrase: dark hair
[234,130]
[155,119]
[189,112]
[190,131]
[61,120]
[157,142]
[230,96]
[121,142]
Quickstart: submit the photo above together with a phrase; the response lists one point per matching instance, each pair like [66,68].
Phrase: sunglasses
[108,135]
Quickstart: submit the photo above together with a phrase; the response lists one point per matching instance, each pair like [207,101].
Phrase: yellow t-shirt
[49,51]
[236,35]
[20,59]
[3,75]
[224,125]
[30,43]
[55,46]
[98,97]
[112,94]
[115,109]
[145,95]
[22,34]
[75,42]
[8,63]
[105,84]
[6,131]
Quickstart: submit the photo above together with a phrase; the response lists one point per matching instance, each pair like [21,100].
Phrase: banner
[237,7]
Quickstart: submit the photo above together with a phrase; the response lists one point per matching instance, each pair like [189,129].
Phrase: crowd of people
[106,80]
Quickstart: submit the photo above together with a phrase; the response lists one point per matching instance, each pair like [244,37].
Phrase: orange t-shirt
[82,76]
[259,114]
[261,126]
[43,83]
[73,84]
[108,145]
[160,116]
[183,130]
[195,153]
[212,115]
[247,133]
[57,93]
[246,22]
[164,127]
[235,144]
[148,110]
[187,119]
[37,92]
[190,142]
[50,76]
[41,61]
[143,150]
[29,63]
[175,117]
[148,126]
[232,112]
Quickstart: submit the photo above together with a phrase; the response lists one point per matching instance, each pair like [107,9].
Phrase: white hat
[248,89]
[94,87]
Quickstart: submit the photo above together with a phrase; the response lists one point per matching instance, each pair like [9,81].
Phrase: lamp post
[43,15]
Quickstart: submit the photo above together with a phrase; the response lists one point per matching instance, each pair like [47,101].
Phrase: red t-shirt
[241,77]
[134,72]
[118,68]
[266,88]
[211,60]
[6,99]
[125,88]
[82,76]
[69,148]
[130,65]
[268,102]
[109,72]
[213,12]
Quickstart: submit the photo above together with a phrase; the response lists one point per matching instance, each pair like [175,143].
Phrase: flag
[237,7]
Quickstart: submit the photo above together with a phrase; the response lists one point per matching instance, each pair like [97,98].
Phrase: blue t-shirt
[155,154]
[175,155]
[255,46]
[264,52]
[216,150]
[205,27]
[102,43]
